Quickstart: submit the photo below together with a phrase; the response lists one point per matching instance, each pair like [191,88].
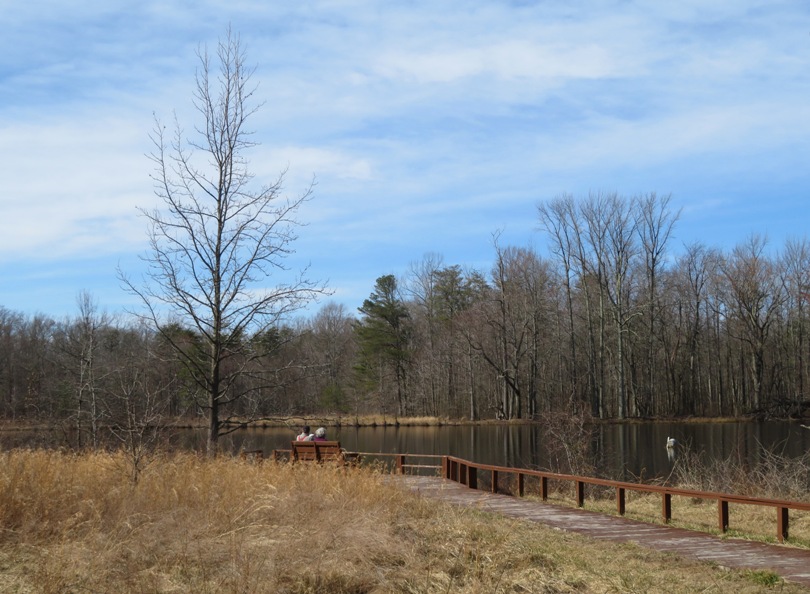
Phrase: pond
[621,451]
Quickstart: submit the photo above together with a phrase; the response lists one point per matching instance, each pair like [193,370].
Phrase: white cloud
[74,186]
[509,60]
[411,116]
[306,162]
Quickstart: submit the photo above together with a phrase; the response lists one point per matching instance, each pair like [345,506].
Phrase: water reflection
[622,451]
[628,451]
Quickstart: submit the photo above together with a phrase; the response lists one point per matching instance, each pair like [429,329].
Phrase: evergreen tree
[384,334]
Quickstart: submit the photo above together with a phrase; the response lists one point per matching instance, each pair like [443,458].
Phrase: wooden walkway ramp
[788,562]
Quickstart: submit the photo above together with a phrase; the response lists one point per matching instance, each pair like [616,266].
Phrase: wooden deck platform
[792,564]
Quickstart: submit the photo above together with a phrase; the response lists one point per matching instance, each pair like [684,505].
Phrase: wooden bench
[316,451]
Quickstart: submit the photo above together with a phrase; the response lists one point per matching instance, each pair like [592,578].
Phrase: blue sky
[428,125]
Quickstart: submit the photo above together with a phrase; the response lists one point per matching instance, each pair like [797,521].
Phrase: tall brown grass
[773,477]
[336,420]
[77,523]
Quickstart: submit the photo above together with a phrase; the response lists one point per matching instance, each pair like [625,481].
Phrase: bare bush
[568,441]
[773,476]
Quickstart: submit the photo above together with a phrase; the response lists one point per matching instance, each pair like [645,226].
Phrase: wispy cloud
[427,126]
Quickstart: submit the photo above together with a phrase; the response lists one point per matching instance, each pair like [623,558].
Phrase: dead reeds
[77,523]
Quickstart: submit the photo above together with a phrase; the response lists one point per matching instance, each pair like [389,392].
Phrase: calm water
[622,451]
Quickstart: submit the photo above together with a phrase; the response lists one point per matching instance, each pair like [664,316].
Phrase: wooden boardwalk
[790,563]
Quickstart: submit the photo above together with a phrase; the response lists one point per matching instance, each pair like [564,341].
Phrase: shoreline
[387,421]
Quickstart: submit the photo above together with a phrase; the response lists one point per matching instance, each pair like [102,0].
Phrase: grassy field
[77,523]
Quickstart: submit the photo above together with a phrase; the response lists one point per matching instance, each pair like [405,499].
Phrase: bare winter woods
[614,319]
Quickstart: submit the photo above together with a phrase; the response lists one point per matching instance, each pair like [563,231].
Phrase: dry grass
[369,420]
[383,420]
[777,478]
[76,523]
[745,521]
[774,476]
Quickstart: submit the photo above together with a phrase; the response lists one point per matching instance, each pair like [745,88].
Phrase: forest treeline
[612,323]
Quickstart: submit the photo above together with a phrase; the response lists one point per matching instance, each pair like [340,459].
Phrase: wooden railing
[400,461]
[466,472]
[404,467]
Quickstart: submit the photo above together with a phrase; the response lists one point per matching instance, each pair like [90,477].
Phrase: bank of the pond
[191,523]
[630,451]
[295,422]
[391,421]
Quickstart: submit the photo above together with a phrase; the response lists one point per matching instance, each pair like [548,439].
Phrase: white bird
[671,443]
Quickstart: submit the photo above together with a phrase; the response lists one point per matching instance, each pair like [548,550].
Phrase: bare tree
[796,270]
[331,351]
[558,218]
[136,400]
[509,334]
[81,350]
[756,293]
[421,286]
[655,224]
[691,276]
[592,257]
[622,249]
[218,238]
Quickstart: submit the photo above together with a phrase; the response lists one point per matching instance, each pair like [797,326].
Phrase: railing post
[782,523]
[465,472]
[620,500]
[255,454]
[722,514]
